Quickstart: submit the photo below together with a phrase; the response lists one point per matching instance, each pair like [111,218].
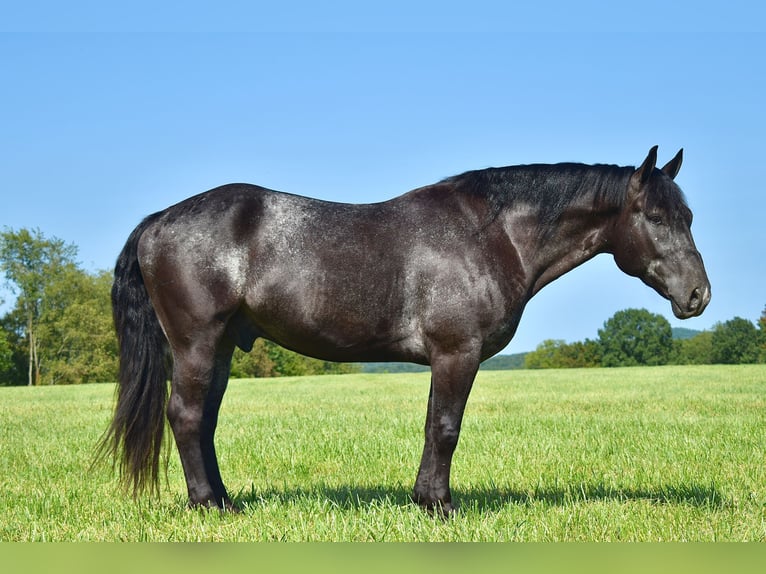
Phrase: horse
[438,276]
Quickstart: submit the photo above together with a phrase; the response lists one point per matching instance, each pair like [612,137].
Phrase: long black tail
[134,438]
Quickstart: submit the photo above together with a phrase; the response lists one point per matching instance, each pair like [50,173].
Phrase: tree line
[59,329]
[636,337]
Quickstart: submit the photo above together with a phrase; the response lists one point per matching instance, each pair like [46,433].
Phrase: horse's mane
[551,189]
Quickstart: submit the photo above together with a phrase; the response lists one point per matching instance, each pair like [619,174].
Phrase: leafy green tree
[636,337]
[76,330]
[29,261]
[256,363]
[290,364]
[6,355]
[332,368]
[735,342]
[13,364]
[697,350]
[544,356]
[268,359]
[557,354]
[762,336]
[582,354]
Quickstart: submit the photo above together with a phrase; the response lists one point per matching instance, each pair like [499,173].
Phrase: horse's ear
[671,168]
[644,172]
[636,189]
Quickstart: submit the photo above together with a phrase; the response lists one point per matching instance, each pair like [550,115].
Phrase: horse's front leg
[452,376]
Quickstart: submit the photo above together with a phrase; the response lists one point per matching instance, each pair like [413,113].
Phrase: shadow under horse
[438,276]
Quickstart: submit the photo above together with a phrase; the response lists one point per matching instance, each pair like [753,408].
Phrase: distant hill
[504,362]
[683,333]
[393,368]
[496,363]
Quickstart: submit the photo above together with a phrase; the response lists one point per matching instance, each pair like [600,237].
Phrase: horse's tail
[134,438]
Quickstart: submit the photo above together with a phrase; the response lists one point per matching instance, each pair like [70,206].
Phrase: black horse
[438,276]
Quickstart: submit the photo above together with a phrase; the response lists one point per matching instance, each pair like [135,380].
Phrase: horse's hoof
[224,506]
[445,511]
[437,508]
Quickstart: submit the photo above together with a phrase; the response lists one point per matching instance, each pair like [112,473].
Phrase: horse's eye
[654,219]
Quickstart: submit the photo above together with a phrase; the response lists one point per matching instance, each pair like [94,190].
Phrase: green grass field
[646,454]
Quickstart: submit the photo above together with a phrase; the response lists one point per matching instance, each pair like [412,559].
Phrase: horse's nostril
[695,300]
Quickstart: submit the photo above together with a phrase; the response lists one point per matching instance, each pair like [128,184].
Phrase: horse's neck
[579,235]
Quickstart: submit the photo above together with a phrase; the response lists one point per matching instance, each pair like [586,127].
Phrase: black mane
[551,188]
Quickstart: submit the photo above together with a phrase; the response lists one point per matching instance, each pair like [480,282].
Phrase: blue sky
[110,111]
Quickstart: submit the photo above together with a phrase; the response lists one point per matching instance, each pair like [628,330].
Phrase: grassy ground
[657,454]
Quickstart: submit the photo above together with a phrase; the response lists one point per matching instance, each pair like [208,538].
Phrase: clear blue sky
[108,114]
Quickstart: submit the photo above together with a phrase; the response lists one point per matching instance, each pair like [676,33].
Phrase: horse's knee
[446,434]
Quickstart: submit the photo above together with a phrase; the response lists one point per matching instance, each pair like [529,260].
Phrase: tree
[544,356]
[697,350]
[735,342]
[762,336]
[256,363]
[29,262]
[582,354]
[290,364]
[78,344]
[6,355]
[636,337]
[268,359]
[557,354]
[13,364]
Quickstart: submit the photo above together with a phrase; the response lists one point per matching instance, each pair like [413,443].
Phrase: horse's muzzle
[694,305]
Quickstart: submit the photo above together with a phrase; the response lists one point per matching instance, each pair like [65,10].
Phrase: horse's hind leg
[222,368]
[200,375]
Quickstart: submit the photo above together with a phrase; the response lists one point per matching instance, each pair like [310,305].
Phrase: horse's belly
[338,322]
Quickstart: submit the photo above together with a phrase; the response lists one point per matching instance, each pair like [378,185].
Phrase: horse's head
[652,239]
